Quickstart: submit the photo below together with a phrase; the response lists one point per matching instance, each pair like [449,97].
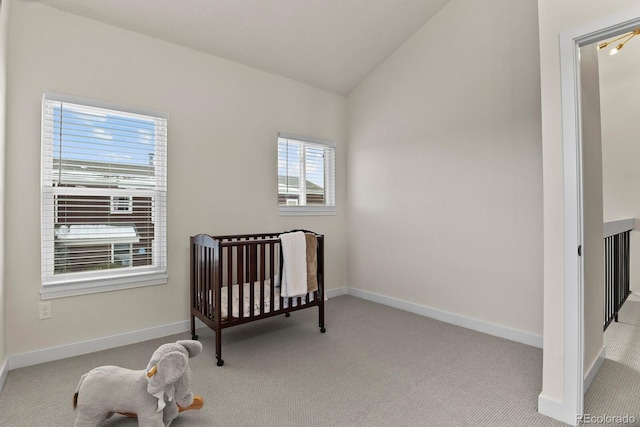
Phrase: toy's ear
[167,371]
[193,347]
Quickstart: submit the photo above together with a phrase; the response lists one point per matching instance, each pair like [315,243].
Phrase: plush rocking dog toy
[154,395]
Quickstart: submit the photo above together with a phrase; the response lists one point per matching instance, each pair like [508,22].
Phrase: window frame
[88,282]
[329,208]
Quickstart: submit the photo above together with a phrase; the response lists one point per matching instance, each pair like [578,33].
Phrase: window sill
[68,288]
[306,210]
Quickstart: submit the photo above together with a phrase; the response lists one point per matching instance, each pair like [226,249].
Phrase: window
[306,176]
[103,197]
[121,204]
[122,254]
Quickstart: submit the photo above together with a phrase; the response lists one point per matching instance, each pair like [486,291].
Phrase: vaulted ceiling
[329,44]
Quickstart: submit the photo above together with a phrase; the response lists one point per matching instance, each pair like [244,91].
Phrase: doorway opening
[574,173]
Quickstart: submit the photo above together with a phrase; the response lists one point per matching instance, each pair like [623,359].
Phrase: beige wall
[554,18]
[4,29]
[444,163]
[620,99]
[445,168]
[223,125]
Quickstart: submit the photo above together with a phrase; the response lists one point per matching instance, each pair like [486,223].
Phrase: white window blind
[104,179]
[306,175]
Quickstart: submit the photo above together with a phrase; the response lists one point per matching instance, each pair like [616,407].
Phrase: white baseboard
[4,371]
[332,293]
[50,354]
[594,368]
[455,319]
[83,347]
[556,410]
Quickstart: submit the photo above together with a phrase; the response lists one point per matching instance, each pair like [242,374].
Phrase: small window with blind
[104,180]
[306,176]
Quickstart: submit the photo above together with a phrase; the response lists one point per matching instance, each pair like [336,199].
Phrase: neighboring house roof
[291,185]
[103,174]
[87,234]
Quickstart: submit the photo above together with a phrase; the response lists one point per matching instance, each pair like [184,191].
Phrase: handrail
[611,228]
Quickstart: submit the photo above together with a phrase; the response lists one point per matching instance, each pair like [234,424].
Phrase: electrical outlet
[45,310]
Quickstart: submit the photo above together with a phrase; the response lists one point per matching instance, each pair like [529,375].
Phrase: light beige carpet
[375,366]
[615,391]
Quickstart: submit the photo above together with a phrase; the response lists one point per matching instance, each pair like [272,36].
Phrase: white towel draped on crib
[294,264]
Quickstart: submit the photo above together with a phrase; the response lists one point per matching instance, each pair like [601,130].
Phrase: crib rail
[235,280]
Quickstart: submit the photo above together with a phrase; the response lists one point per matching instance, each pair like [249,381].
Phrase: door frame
[570,43]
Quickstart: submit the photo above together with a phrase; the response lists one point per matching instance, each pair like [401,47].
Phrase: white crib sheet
[235,299]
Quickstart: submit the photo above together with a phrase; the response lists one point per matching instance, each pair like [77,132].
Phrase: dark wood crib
[235,280]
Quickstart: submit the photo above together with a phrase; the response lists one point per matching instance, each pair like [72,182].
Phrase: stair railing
[616,267]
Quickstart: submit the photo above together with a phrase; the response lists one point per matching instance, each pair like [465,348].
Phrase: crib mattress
[246,305]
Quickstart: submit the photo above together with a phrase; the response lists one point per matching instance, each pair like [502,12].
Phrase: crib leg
[287,315]
[219,347]
[321,318]
[193,328]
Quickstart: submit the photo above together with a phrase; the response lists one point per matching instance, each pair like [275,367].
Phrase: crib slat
[262,274]
[229,252]
[207,275]
[252,269]
[216,283]
[272,279]
[239,266]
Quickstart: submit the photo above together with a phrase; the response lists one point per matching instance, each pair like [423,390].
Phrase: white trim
[309,139]
[611,228]
[332,293]
[84,347]
[93,281]
[70,288]
[306,210]
[58,97]
[452,318]
[329,188]
[570,41]
[594,368]
[4,371]
[573,231]
[557,410]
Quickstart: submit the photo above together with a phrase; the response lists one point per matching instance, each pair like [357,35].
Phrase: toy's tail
[75,396]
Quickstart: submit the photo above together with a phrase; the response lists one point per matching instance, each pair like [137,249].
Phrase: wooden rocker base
[198,403]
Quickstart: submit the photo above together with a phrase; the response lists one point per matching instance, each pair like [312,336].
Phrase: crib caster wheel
[287,315]
[220,362]
[323,330]
[194,337]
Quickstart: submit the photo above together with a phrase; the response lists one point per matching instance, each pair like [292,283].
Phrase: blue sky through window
[289,163]
[95,135]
